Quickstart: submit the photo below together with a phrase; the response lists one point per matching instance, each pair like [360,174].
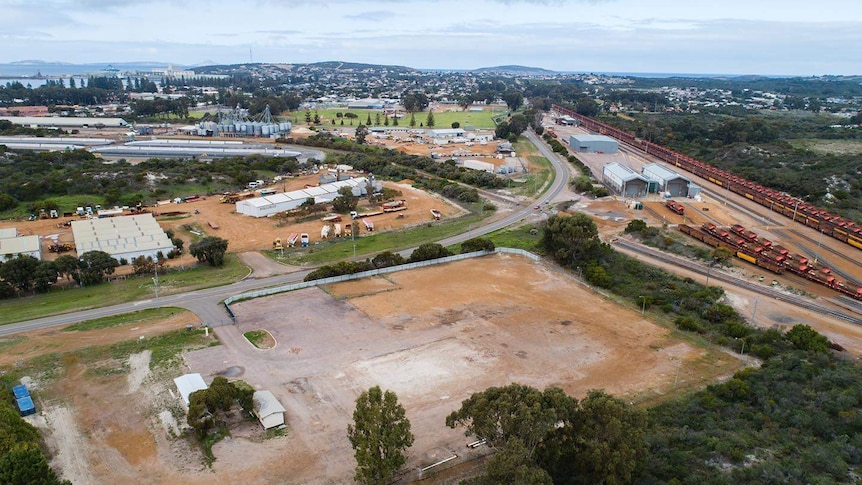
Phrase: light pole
[156,281]
[643,305]
[794,210]
[819,241]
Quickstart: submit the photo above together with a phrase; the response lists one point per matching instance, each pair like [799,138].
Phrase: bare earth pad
[435,336]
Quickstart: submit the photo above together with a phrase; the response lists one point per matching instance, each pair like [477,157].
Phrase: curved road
[206,303]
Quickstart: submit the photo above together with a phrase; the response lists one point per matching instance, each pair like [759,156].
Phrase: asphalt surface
[206,303]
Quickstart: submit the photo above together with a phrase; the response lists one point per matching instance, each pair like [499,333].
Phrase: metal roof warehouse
[70,122]
[273,204]
[123,237]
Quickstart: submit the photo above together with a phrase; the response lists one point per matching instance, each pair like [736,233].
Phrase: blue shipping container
[26,406]
[20,391]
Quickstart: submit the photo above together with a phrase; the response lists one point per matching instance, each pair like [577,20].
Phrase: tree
[367,120]
[414,101]
[502,130]
[429,121]
[361,133]
[636,225]
[346,201]
[143,265]
[513,99]
[456,125]
[26,465]
[209,249]
[93,266]
[66,265]
[477,244]
[587,107]
[804,337]
[19,272]
[603,444]
[44,276]
[514,412]
[511,465]
[7,202]
[379,435]
[517,124]
[412,120]
[387,259]
[573,240]
[428,251]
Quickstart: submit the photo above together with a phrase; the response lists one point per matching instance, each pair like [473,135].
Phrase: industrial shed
[668,180]
[65,122]
[189,383]
[268,409]
[593,144]
[624,180]
[273,204]
[124,237]
[479,165]
[12,245]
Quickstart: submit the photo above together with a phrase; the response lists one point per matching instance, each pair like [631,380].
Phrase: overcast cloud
[728,36]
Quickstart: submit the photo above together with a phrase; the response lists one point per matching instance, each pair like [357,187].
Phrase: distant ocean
[37,74]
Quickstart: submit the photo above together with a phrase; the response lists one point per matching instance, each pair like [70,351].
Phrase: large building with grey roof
[273,204]
[12,245]
[123,237]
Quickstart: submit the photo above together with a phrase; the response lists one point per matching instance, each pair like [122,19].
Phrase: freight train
[746,245]
[791,207]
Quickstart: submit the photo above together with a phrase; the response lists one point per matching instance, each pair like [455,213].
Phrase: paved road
[206,303]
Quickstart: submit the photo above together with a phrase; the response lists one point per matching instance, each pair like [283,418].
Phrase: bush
[428,251]
[477,244]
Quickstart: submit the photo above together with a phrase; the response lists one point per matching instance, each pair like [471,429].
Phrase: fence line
[374,272]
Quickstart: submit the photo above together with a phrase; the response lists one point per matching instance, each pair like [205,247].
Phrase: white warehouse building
[668,180]
[624,180]
[13,244]
[272,204]
[123,237]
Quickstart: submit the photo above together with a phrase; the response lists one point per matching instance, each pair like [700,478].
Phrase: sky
[769,37]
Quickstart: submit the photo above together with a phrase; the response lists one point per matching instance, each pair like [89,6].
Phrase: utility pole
[156,280]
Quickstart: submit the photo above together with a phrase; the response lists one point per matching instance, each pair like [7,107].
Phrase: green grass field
[73,298]
[442,119]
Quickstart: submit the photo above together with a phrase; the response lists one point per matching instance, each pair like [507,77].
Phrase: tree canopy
[380,434]
[210,249]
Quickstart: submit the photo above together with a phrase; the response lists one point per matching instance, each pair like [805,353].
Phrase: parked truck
[303,239]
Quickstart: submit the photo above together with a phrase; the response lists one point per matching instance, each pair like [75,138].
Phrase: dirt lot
[251,234]
[434,339]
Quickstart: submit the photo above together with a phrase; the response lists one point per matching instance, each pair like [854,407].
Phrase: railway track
[718,275]
[820,259]
[828,249]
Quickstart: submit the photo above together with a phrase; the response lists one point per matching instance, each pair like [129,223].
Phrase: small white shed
[189,383]
[268,409]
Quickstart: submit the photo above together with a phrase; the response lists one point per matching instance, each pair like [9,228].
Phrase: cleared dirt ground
[434,336]
[254,234]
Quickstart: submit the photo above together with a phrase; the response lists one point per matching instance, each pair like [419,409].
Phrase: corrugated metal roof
[189,383]
[17,245]
[7,232]
[265,403]
[661,173]
[123,234]
[66,121]
[622,172]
